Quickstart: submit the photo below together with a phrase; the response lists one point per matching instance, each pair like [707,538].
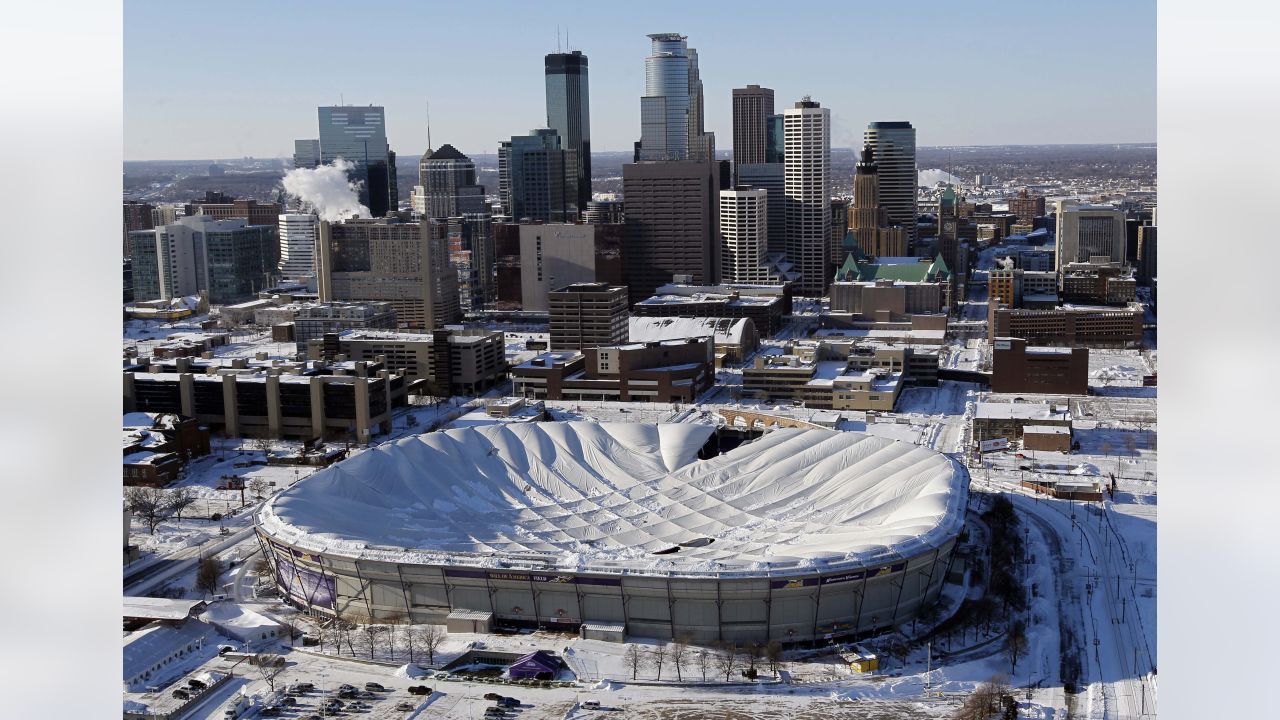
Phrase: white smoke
[931,178]
[327,190]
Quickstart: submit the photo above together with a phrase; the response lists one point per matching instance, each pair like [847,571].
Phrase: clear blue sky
[239,78]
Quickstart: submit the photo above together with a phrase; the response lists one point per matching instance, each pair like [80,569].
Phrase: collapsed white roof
[605,497]
[656,329]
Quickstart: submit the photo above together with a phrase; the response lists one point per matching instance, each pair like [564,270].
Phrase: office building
[540,177]
[752,107]
[1146,254]
[220,207]
[1068,326]
[298,244]
[604,212]
[1016,368]
[671,110]
[771,177]
[672,224]
[535,258]
[314,321]
[674,371]
[569,113]
[744,235]
[869,225]
[587,315]
[735,338]
[808,193]
[1089,233]
[229,259]
[1027,207]
[1106,283]
[306,154]
[445,362]
[359,135]
[471,254]
[765,305]
[447,178]
[893,146]
[137,216]
[1018,288]
[406,264]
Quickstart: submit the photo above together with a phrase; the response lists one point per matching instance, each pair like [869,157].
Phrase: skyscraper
[808,192]
[672,224]
[443,175]
[671,115]
[869,224]
[569,114]
[306,153]
[1088,231]
[229,259]
[770,177]
[541,177]
[359,135]
[752,107]
[298,244]
[744,230]
[137,216]
[893,146]
[406,264]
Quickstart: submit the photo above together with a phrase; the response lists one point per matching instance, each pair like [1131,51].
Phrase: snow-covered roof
[159,608]
[605,497]
[150,646]
[238,622]
[1019,411]
[1046,430]
[653,329]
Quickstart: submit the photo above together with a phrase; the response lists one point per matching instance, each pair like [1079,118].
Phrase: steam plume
[326,190]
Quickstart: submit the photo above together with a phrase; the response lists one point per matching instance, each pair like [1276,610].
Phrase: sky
[244,78]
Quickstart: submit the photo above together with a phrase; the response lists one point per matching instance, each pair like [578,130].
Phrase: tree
[259,487]
[1015,643]
[899,650]
[208,573]
[372,633]
[658,656]
[180,499]
[704,659]
[755,651]
[431,636]
[150,504]
[634,658]
[773,653]
[984,701]
[270,666]
[261,443]
[680,655]
[984,610]
[726,659]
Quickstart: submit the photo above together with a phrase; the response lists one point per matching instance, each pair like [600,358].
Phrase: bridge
[765,420]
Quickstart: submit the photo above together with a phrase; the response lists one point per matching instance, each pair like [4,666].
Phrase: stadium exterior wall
[738,608]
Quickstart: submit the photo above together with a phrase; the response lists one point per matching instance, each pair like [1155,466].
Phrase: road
[146,579]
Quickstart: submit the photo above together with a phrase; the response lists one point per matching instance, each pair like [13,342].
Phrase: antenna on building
[340,98]
[429,146]
[557,38]
[566,40]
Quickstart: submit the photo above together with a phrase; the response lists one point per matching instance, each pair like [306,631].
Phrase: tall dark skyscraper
[569,114]
[672,224]
[893,146]
[540,178]
[359,135]
[752,106]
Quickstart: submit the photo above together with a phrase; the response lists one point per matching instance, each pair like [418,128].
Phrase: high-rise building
[744,233]
[752,108]
[893,146]
[471,254]
[569,112]
[587,315]
[671,110]
[808,193]
[445,175]
[306,153]
[298,245]
[359,135]
[602,212]
[229,259]
[540,176]
[1085,232]
[221,207]
[772,177]
[1026,207]
[137,216]
[869,225]
[672,224]
[406,264]
[1146,254]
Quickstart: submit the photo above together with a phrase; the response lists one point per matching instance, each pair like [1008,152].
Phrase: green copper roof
[856,269]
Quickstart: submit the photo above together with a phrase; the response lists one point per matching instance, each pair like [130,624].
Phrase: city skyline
[501,92]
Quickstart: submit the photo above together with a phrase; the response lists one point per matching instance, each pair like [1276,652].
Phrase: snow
[410,671]
[604,497]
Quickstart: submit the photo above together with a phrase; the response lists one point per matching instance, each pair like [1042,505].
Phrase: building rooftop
[1019,411]
[150,646]
[724,330]
[160,608]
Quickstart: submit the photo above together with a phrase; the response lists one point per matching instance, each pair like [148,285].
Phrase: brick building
[447,362]
[663,372]
[1016,368]
[1068,325]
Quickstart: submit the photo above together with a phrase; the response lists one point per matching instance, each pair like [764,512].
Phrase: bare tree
[148,503]
[726,659]
[432,636]
[704,659]
[680,655]
[754,652]
[773,653]
[372,633]
[1015,643]
[411,633]
[208,574]
[657,657]
[180,499]
[899,650]
[345,628]
[262,443]
[259,487]
[270,666]
[634,658]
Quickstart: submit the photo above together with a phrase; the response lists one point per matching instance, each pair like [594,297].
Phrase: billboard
[993,445]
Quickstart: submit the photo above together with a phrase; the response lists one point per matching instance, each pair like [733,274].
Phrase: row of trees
[1004,585]
[721,658]
[415,641]
[993,698]
[153,505]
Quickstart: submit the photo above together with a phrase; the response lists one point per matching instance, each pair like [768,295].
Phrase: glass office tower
[568,112]
[359,135]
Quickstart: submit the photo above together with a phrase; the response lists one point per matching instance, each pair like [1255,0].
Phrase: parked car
[196,685]
[181,694]
[419,690]
[508,702]
[591,705]
[374,686]
[492,696]
[405,706]
[270,711]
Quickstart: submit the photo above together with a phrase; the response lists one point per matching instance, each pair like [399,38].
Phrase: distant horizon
[625,152]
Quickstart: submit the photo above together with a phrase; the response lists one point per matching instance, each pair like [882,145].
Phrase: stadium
[798,535]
